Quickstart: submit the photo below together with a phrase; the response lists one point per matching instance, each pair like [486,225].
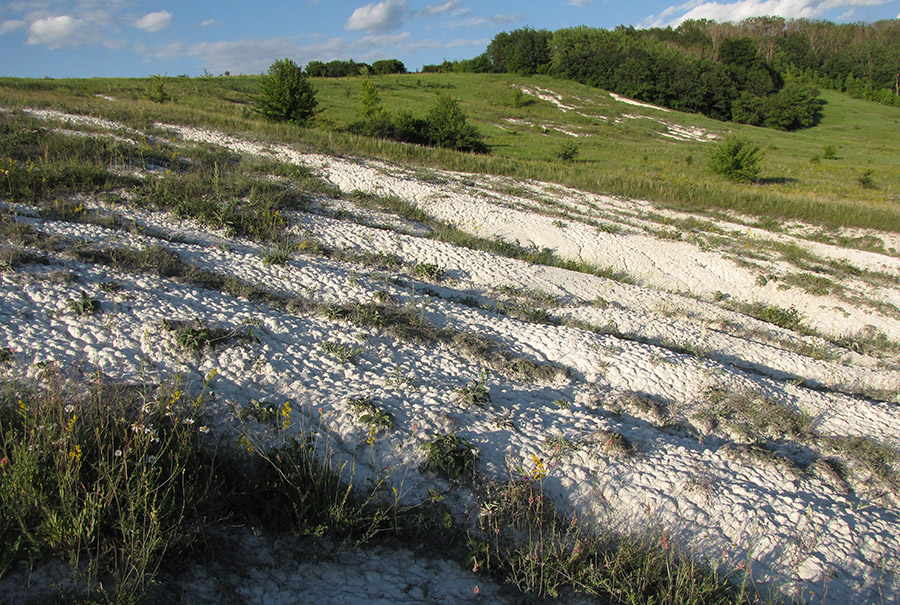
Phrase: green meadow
[856,185]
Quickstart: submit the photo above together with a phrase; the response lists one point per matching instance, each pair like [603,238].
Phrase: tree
[369,101]
[286,94]
[522,51]
[316,69]
[375,121]
[448,127]
[388,66]
[156,91]
[736,158]
[796,106]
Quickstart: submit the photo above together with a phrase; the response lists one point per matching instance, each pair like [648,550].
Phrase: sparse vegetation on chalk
[351,360]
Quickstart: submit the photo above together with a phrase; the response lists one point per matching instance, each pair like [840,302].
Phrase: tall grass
[116,479]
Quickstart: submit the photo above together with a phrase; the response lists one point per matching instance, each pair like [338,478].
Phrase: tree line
[763,71]
[343,69]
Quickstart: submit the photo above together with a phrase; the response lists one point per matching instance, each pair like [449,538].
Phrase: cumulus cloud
[743,9]
[11,26]
[378,18]
[153,22]
[56,32]
[578,3]
[210,22]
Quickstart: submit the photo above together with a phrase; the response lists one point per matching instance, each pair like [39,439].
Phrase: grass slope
[859,188]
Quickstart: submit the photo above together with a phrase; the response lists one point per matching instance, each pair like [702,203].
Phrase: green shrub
[448,127]
[285,94]
[156,90]
[736,158]
[567,152]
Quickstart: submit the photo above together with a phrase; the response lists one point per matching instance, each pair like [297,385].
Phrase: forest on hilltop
[763,71]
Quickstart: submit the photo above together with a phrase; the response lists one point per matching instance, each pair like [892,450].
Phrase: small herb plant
[476,391]
[371,414]
[450,456]
[429,271]
[263,411]
[84,305]
[342,352]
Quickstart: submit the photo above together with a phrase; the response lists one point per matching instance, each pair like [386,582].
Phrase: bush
[794,107]
[447,127]
[156,90]
[285,94]
[567,152]
[736,158]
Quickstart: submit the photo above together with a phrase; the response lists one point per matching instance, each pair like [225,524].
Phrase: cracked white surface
[799,531]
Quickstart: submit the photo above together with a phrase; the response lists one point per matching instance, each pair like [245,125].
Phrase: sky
[122,38]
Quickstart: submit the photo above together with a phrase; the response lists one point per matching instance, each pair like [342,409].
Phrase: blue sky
[84,38]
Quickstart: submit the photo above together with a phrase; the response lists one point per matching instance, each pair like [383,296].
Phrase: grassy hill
[622,149]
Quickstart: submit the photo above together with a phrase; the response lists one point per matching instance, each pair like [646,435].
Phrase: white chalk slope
[661,369]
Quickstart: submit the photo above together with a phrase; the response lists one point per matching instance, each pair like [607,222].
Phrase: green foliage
[448,127]
[865,179]
[370,413]
[429,271]
[83,305]
[669,68]
[280,255]
[106,477]
[156,90]
[264,412]
[521,539]
[522,51]
[285,94]
[736,158]
[342,352]
[370,107]
[388,66]
[794,107]
[567,152]
[476,392]
[337,69]
[450,456]
[190,336]
[785,318]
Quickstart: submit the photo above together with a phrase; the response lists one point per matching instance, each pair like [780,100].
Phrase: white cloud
[743,9]
[492,20]
[210,22]
[254,56]
[377,18]
[11,26]
[153,22]
[56,32]
[578,3]
[381,41]
[451,6]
